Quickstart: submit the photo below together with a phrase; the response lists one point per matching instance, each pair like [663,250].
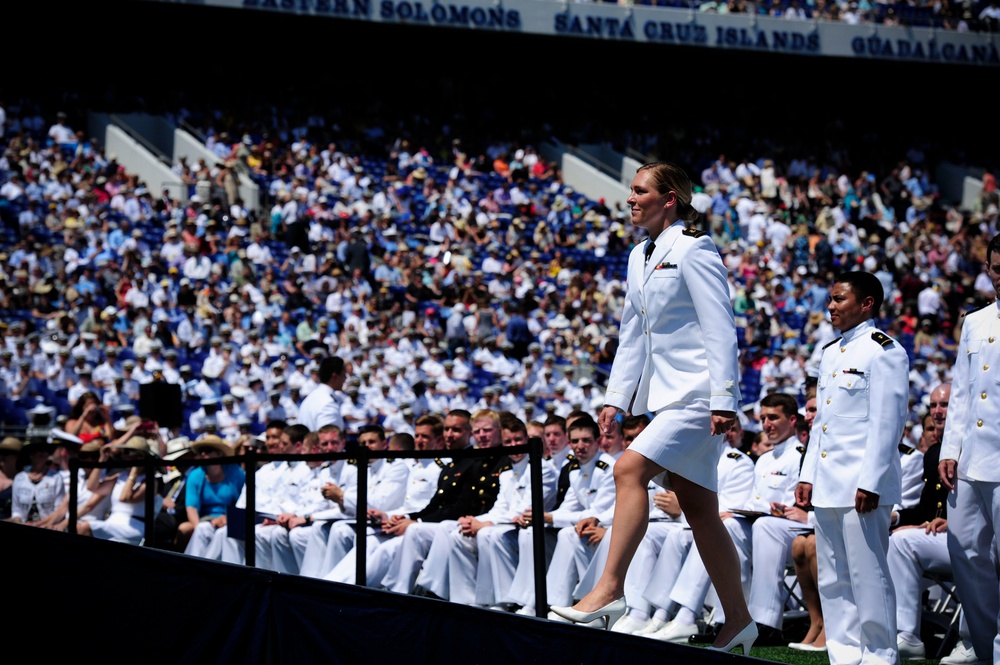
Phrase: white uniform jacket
[591,491]
[677,341]
[343,474]
[776,473]
[971,430]
[736,478]
[861,405]
[386,486]
[515,492]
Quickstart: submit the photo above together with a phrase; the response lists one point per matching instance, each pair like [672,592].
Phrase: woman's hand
[606,419]
[722,421]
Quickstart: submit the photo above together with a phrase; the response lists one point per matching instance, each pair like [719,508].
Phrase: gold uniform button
[835,374]
[823,454]
[979,423]
[983,395]
[828,400]
[985,367]
[824,429]
[848,384]
[991,340]
[843,350]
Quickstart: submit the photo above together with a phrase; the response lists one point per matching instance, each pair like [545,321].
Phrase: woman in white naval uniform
[677,356]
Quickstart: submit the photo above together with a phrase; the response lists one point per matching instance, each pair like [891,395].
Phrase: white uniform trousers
[570,559]
[313,549]
[416,542]
[772,554]
[216,544]
[857,595]
[464,559]
[263,542]
[498,555]
[973,513]
[233,551]
[339,542]
[911,552]
[693,583]
[522,587]
[284,557]
[433,574]
[380,561]
[667,568]
[201,538]
[345,570]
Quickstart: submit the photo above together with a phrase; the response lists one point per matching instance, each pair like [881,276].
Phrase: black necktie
[650,246]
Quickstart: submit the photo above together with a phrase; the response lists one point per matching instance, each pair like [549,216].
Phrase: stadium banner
[656,25]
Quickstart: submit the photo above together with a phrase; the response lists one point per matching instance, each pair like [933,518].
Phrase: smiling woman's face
[648,206]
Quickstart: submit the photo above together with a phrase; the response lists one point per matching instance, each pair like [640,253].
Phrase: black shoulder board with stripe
[905,449]
[570,456]
[735,455]
[601,464]
[437,460]
[833,342]
[694,233]
[975,309]
[352,461]
[882,339]
[801,449]
[572,464]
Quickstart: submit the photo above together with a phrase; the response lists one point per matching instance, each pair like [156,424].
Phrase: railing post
[361,518]
[251,509]
[538,526]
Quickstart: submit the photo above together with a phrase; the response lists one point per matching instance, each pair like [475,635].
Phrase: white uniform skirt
[680,440]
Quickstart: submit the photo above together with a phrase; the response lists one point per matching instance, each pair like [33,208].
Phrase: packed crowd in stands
[983,16]
[446,277]
[472,275]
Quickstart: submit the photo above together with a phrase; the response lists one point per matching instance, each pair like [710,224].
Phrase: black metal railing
[362,455]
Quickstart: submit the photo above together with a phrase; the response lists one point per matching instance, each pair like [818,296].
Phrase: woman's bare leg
[701,508]
[632,475]
[805,571]
[820,640]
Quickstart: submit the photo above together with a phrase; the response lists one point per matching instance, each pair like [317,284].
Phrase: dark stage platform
[88,600]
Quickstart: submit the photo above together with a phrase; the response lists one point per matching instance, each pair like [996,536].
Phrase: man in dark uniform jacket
[466,486]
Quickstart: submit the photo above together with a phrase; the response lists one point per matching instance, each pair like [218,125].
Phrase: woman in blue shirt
[211,489]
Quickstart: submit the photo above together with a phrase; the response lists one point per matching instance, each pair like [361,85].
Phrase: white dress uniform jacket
[676,334]
[971,429]
[859,422]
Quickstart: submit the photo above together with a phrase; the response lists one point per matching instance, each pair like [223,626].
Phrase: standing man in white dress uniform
[851,474]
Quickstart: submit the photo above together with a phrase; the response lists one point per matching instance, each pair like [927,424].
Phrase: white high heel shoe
[604,618]
[745,638]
